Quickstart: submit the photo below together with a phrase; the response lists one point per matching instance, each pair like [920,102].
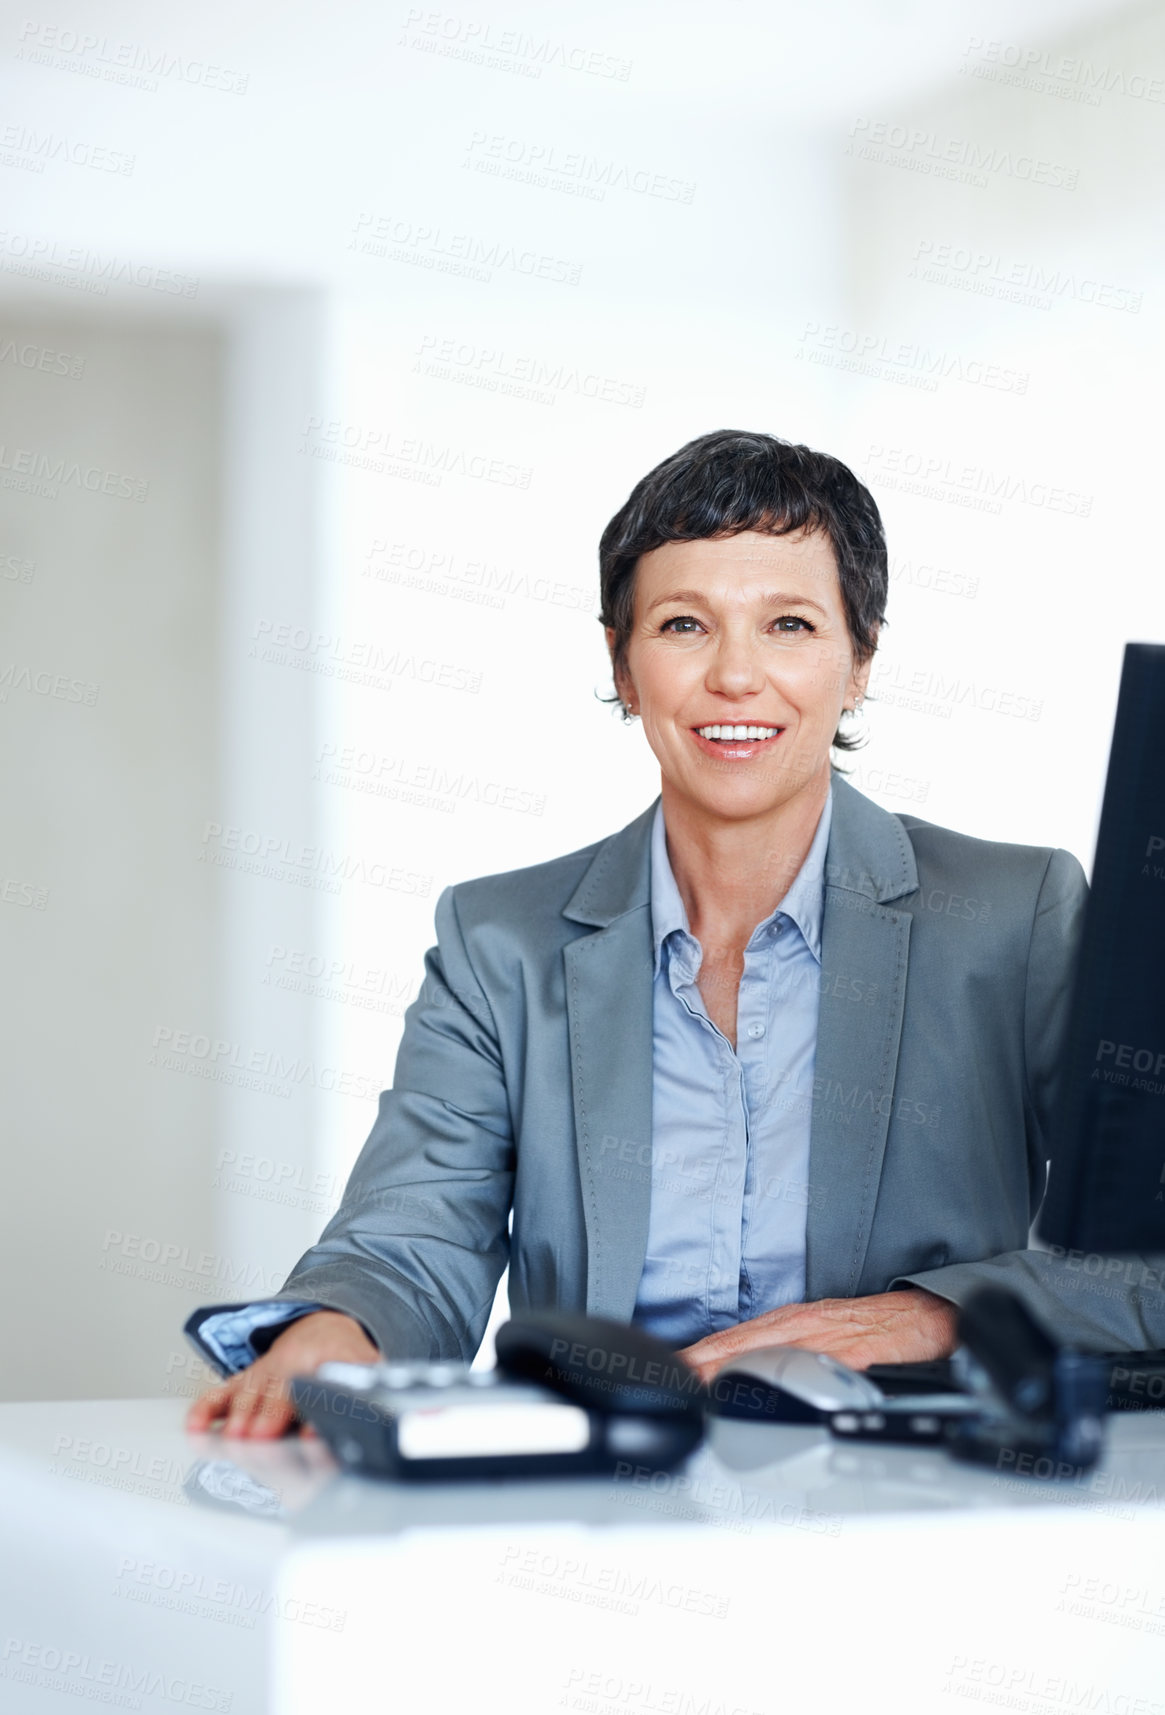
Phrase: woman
[771,1065]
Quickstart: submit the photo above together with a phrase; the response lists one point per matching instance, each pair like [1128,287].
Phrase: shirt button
[755,1030]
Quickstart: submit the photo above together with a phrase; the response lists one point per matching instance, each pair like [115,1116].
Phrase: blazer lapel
[864,947]
[609,1008]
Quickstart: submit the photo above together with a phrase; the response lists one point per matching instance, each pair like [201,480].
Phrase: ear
[622,685]
[860,676]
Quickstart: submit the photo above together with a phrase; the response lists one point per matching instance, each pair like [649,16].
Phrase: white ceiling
[344,108]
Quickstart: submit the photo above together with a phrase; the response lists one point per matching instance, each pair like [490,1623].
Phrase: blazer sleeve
[1095,1303]
[417,1247]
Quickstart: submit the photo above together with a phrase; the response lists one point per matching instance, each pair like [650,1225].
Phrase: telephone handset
[570,1395]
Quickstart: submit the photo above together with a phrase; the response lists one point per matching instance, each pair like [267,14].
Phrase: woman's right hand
[255,1402]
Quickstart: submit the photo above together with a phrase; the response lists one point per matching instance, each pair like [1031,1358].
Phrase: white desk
[782,1572]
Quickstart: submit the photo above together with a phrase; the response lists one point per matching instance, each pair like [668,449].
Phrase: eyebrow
[770,598]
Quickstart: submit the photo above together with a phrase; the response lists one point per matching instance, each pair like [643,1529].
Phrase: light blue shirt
[730,1127]
[228,1336]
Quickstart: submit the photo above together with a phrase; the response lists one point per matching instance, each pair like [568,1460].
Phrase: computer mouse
[787,1384]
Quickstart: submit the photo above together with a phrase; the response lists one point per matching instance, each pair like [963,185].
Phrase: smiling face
[740,631]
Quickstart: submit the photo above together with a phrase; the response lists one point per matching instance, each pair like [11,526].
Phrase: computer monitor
[1106,1190]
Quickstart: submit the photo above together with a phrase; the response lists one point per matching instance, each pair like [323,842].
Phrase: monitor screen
[1106,1191]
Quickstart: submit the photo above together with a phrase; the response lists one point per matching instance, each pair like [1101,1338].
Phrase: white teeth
[738,732]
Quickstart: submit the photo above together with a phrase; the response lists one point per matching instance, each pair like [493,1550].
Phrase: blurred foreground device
[571,1395]
[1043,1403]
[1106,1191]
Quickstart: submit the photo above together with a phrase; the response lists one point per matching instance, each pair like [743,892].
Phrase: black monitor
[1106,1191]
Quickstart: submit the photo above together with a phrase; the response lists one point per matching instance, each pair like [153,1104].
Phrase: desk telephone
[571,1395]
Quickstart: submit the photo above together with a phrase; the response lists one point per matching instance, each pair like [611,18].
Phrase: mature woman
[770,1065]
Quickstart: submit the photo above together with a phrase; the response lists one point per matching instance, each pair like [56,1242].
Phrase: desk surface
[138,1450]
[143,1563]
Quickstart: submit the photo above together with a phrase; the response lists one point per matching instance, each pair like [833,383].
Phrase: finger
[209,1407]
[243,1408]
[267,1410]
[721,1348]
[270,1422]
[858,1349]
[274,1413]
[710,1349]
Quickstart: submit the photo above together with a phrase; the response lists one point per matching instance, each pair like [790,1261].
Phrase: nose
[735,668]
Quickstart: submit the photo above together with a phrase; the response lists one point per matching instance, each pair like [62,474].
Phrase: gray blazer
[524,1077]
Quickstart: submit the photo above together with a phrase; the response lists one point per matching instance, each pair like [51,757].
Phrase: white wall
[1065,571]
[104,797]
[270,817]
[167,1100]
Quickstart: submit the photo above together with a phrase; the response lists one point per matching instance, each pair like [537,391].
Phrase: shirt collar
[803,904]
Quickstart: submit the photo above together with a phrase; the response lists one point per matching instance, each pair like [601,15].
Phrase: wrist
[328,1323]
[943,1317]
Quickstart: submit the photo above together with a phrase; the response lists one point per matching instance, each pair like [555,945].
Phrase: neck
[732,875]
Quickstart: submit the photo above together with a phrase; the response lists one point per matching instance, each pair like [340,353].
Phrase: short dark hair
[733,480]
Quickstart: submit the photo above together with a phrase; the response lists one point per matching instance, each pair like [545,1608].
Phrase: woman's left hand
[906,1327]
